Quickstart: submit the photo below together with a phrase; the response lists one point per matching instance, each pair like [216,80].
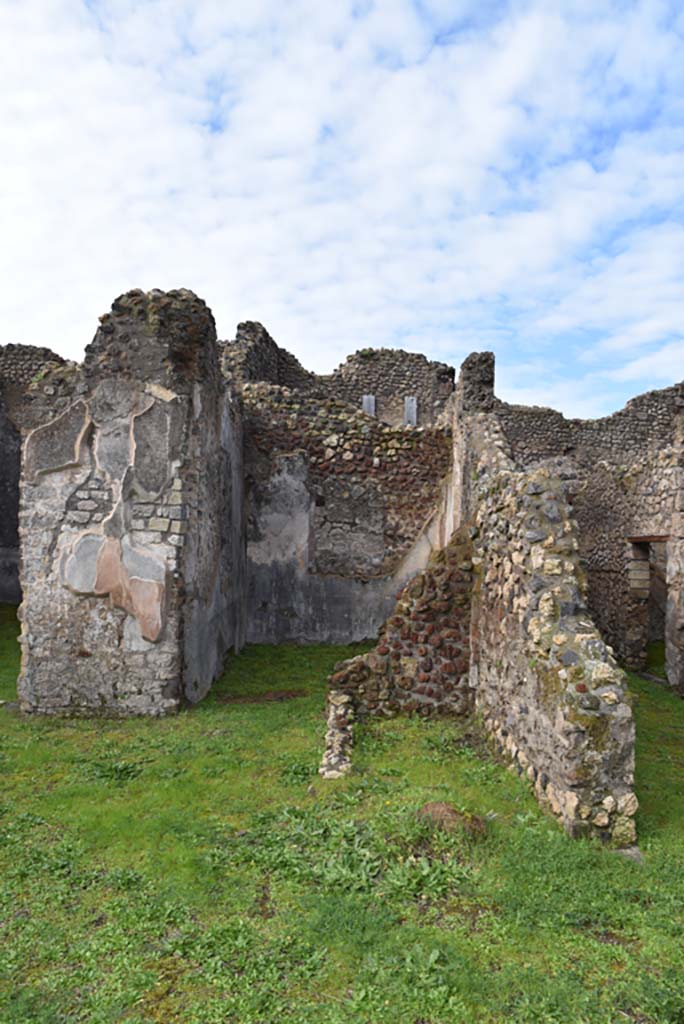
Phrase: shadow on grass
[10,654]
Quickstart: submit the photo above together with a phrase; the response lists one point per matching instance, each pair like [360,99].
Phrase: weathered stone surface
[400,674]
[57,445]
[546,685]
[10,446]
[151,437]
[121,614]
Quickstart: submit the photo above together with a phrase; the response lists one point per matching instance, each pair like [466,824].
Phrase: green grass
[655,659]
[196,870]
[9,652]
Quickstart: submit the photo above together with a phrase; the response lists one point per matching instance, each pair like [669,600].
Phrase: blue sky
[439,175]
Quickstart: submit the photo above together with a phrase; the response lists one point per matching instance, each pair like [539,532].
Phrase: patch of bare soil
[260,698]
[444,816]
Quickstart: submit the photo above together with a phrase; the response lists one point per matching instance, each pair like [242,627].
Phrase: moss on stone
[597,727]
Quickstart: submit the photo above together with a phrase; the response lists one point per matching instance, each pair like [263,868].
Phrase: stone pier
[130,528]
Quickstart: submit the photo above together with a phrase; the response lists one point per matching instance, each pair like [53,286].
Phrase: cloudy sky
[437,175]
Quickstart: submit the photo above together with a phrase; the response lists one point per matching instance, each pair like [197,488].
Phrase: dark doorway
[647,574]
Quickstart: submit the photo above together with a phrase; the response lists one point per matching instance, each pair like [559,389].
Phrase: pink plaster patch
[141,598]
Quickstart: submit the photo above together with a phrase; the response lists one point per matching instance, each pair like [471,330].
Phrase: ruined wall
[544,682]
[420,662]
[391,375]
[22,364]
[548,688]
[126,549]
[19,365]
[342,510]
[10,447]
[626,468]
[254,356]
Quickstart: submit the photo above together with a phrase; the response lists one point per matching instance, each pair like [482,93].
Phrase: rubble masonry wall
[629,483]
[547,686]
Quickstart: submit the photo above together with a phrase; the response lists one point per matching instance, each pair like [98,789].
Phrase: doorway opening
[647,611]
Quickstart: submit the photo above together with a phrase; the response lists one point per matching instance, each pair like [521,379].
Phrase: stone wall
[10,447]
[546,684]
[657,586]
[420,662]
[126,548]
[19,366]
[254,356]
[342,510]
[627,484]
[22,364]
[391,375]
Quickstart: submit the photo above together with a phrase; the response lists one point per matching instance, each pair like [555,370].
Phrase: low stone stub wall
[546,684]
[420,662]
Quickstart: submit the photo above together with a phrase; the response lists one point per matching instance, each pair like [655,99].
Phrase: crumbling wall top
[475,388]
[20,364]
[165,337]
[254,356]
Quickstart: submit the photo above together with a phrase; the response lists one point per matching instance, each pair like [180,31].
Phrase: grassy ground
[196,870]
[655,660]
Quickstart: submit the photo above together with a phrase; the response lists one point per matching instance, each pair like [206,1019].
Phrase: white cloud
[446,176]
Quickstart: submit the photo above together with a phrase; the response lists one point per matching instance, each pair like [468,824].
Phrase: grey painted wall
[286,601]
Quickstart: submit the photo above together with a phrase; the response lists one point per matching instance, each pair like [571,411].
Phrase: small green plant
[298,769]
[114,770]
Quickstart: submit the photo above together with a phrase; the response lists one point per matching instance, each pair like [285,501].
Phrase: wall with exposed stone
[420,662]
[22,364]
[547,686]
[254,356]
[10,447]
[126,548]
[341,511]
[19,366]
[628,484]
[391,375]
